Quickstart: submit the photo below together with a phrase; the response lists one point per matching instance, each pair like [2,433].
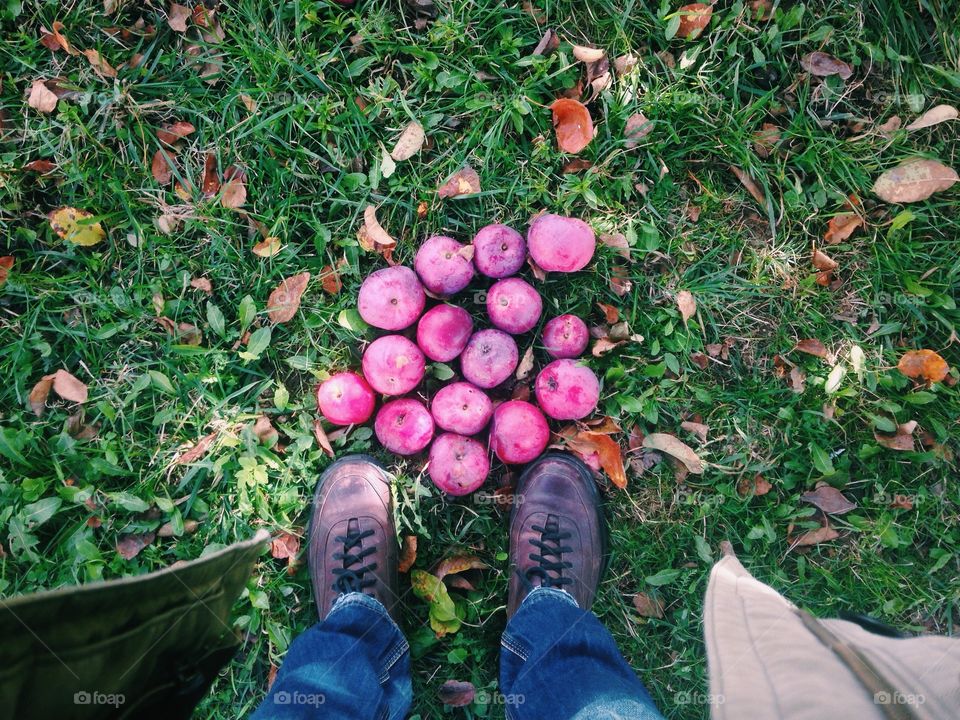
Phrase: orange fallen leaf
[373,238]
[409,143]
[330,280]
[765,139]
[268,247]
[823,262]
[697,429]
[617,242]
[408,553]
[464,181]
[99,64]
[694,19]
[197,451]
[749,183]
[178,16]
[284,301]
[6,265]
[202,283]
[811,346]
[234,189]
[573,125]
[588,443]
[823,65]
[457,564]
[841,227]
[43,167]
[162,166]
[757,485]
[210,183]
[611,313]
[172,132]
[687,305]
[815,537]
[914,180]
[620,283]
[285,547]
[924,364]
[647,606]
[58,34]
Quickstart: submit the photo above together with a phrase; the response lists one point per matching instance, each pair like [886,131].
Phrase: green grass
[313,157]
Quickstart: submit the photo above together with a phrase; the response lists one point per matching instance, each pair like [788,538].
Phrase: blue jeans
[557,662]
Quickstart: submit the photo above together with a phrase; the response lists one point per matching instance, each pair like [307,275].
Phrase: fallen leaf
[525,366]
[797,380]
[285,547]
[647,606]
[618,242]
[162,167]
[268,247]
[694,19]
[700,360]
[815,537]
[43,167]
[765,139]
[373,237]
[330,280]
[604,345]
[534,12]
[914,180]
[41,98]
[201,283]
[757,485]
[197,451]
[573,125]
[166,530]
[6,265]
[666,443]
[760,9]
[74,226]
[129,546]
[902,440]
[172,132]
[177,17]
[698,429]
[210,182]
[68,387]
[602,447]
[409,142]
[548,43]
[99,64]
[408,553]
[822,261]
[464,181]
[458,564]
[620,283]
[234,193]
[924,364]
[687,305]
[625,63]
[823,65]
[284,301]
[829,499]
[58,33]
[637,128]
[456,693]
[813,347]
[934,116]
[841,227]
[611,313]
[321,437]
[588,54]
[749,183]
[39,394]
[265,432]
[49,40]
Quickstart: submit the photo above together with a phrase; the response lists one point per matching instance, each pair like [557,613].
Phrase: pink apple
[404,426]
[443,331]
[461,408]
[566,336]
[567,390]
[445,266]
[393,365]
[345,399]
[560,244]
[458,464]
[519,432]
[514,306]
[490,357]
[391,298]
[500,251]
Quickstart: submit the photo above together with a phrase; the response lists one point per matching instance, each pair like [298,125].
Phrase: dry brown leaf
[815,537]
[914,180]
[409,142]
[687,305]
[330,280]
[667,443]
[58,33]
[620,282]
[321,437]
[757,485]
[41,98]
[637,128]
[617,242]
[43,167]
[408,553]
[604,449]
[647,606]
[197,451]
[265,432]
[813,347]
[765,139]
[588,54]
[823,65]
[373,237]
[456,693]
[162,166]
[39,394]
[464,181]
[573,125]
[68,387]
[458,564]
[829,499]
[129,546]
[234,193]
[285,547]
[698,429]
[934,116]
[536,13]
[924,364]
[48,40]
[284,301]
[604,345]
[99,64]
[172,132]
[576,165]
[822,261]
[694,19]
[700,360]
[611,313]
[548,43]
[902,440]
[202,283]
[178,16]
[749,183]
[6,265]
[268,247]
[210,182]
[841,227]
[525,367]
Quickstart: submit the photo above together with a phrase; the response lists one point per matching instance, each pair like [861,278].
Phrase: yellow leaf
[75,226]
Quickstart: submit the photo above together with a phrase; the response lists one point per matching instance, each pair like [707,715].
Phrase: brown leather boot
[557,532]
[353,543]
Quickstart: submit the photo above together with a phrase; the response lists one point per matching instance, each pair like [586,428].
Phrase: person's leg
[556,659]
[355,663]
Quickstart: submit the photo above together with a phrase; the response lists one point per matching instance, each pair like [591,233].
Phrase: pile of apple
[393,365]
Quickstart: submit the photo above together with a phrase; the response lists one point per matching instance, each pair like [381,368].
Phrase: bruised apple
[565,336]
[445,266]
[489,358]
[461,408]
[499,251]
[560,244]
[458,464]
[519,432]
[443,331]
[567,390]
[404,426]
[345,399]
[393,365]
[391,298]
[514,306]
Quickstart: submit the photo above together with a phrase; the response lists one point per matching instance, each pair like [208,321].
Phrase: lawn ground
[307,97]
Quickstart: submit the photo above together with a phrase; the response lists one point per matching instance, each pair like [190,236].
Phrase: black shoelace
[349,577]
[550,562]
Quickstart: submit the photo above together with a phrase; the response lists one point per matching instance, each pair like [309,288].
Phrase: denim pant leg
[557,661]
[354,665]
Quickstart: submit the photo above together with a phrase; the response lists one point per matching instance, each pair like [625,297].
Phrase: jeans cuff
[542,593]
[359,598]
